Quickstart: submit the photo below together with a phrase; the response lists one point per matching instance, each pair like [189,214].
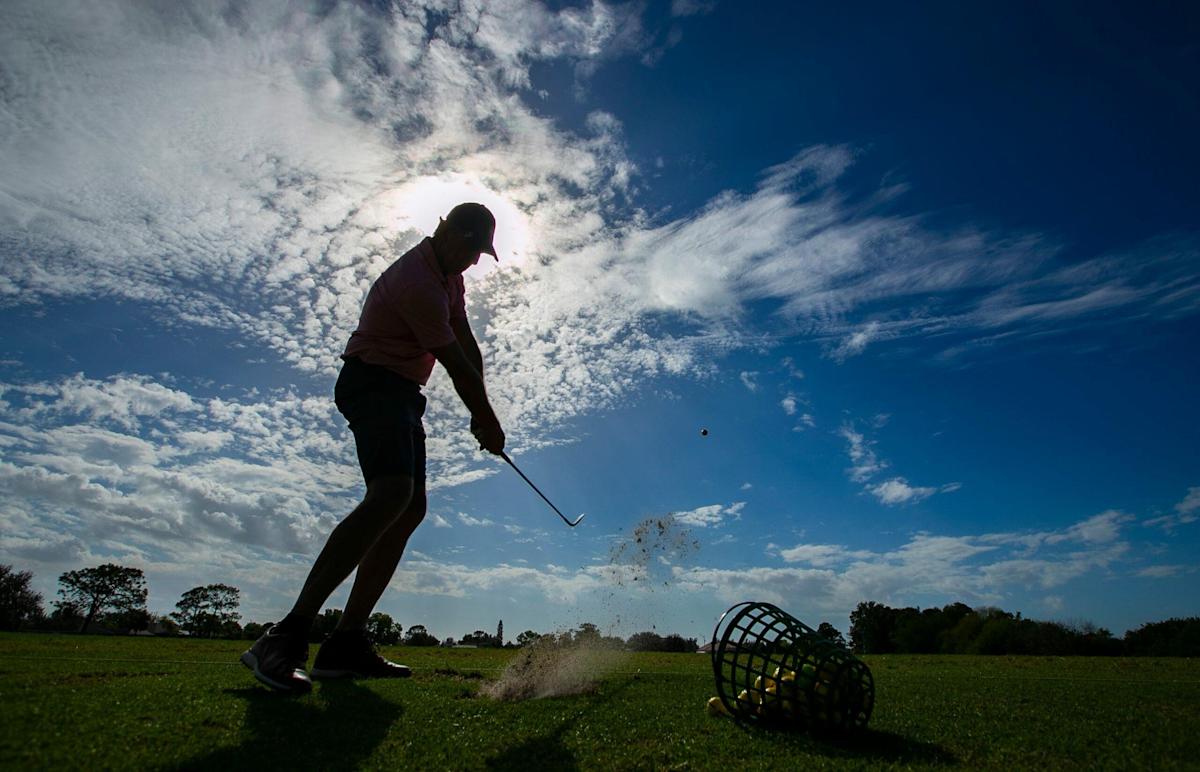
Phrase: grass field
[94,702]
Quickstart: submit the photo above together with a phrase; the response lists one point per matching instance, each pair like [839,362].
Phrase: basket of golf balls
[772,668]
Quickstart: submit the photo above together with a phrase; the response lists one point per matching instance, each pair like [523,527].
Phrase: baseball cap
[475,224]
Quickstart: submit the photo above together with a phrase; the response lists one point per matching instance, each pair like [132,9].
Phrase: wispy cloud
[865,465]
[1186,512]
[749,380]
[862,457]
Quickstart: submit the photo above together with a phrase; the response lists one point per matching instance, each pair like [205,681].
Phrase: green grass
[94,702]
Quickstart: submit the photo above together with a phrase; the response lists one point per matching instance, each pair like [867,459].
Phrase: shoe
[349,654]
[278,659]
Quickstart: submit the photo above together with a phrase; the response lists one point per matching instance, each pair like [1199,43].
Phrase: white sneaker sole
[249,660]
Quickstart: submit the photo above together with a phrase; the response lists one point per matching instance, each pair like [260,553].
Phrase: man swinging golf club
[414,315]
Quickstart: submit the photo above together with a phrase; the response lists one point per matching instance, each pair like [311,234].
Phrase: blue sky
[929,277]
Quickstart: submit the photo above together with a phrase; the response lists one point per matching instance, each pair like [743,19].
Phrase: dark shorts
[384,411]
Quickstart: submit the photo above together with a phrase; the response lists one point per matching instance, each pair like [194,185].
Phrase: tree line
[112,599]
[959,629]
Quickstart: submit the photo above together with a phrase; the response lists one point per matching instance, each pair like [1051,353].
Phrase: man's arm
[466,339]
[469,384]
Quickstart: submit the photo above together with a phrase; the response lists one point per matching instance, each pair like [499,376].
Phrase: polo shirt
[407,313]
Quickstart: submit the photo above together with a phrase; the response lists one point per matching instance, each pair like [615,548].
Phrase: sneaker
[278,659]
[349,654]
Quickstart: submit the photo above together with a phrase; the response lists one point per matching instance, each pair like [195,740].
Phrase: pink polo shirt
[407,313]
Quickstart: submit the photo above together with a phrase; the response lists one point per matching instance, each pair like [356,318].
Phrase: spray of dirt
[641,561]
[647,554]
[550,669]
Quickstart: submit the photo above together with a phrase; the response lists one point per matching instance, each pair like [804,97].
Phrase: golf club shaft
[535,490]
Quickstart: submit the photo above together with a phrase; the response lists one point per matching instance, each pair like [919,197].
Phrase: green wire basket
[771,668]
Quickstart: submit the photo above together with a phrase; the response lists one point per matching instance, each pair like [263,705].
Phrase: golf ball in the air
[704,432]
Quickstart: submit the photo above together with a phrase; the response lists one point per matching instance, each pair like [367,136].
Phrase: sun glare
[419,204]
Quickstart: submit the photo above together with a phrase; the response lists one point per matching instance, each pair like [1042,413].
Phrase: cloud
[440,522]
[1190,503]
[1098,529]
[856,342]
[711,515]
[1185,513]
[466,519]
[898,491]
[788,404]
[865,463]
[749,380]
[692,7]
[253,173]
[981,568]
[1163,571]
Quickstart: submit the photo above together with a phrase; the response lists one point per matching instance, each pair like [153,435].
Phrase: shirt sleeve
[426,309]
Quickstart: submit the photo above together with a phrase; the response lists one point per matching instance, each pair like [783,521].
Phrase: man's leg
[351,542]
[279,657]
[379,564]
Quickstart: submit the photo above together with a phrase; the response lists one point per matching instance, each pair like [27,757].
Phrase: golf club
[504,456]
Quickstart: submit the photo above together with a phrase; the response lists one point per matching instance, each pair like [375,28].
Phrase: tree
[677,643]
[645,641]
[1170,638]
[871,627]
[66,616]
[18,603]
[164,625]
[478,638]
[209,611]
[382,630]
[500,633]
[325,624]
[587,635]
[828,631]
[108,587]
[528,638]
[417,635]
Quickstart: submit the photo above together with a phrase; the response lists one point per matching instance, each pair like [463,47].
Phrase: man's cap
[475,224]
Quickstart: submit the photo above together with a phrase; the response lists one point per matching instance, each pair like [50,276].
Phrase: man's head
[464,235]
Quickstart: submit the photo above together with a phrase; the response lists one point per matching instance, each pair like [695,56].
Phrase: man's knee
[415,512]
[392,494]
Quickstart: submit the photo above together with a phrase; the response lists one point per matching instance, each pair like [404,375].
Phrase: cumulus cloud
[983,568]
[711,515]
[788,404]
[254,172]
